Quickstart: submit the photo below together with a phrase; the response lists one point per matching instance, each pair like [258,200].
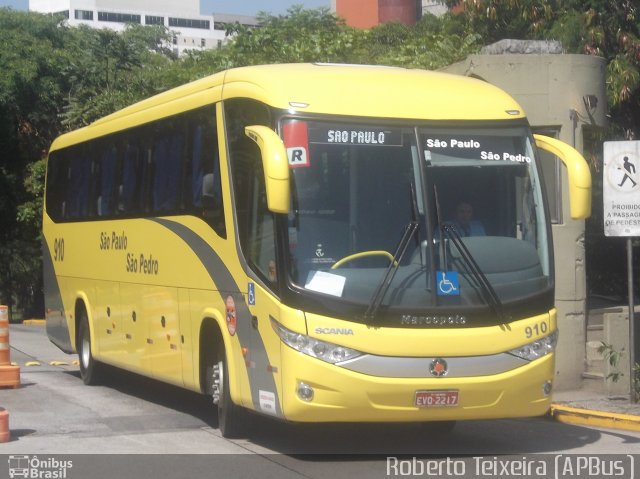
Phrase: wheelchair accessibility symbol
[448,284]
[251,294]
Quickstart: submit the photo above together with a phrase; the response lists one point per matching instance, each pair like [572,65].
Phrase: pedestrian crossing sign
[621,188]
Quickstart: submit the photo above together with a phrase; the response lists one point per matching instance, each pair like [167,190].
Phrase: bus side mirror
[275,165]
[578,171]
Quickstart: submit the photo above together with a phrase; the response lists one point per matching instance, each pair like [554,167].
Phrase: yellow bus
[290,240]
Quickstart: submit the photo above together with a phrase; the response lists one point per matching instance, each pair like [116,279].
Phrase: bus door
[258,238]
[264,352]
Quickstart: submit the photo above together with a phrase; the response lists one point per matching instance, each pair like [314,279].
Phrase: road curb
[589,417]
[37,322]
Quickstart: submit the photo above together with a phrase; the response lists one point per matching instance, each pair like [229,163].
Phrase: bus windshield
[422,217]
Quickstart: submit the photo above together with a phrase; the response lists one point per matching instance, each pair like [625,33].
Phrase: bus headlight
[329,352]
[538,348]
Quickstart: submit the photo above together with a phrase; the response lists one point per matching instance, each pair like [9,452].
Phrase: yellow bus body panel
[461,341]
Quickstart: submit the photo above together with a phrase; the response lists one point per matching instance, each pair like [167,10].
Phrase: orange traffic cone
[4,425]
[9,375]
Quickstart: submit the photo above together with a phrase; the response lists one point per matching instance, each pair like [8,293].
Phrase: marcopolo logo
[38,468]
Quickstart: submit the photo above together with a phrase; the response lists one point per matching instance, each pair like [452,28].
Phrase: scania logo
[343,331]
[438,368]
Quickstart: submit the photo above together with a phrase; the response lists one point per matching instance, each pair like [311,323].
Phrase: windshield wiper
[449,230]
[383,286]
[489,293]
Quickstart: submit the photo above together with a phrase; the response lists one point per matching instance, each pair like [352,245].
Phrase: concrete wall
[550,87]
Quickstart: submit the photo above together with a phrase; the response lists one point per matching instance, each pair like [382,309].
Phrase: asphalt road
[136,427]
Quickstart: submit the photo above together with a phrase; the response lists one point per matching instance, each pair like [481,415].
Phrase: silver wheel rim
[86,349]
[218,377]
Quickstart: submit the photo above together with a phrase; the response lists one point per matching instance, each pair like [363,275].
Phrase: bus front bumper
[315,391]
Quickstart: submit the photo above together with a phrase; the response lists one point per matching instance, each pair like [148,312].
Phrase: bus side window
[131,186]
[106,184]
[197,170]
[206,186]
[167,162]
[79,185]
[57,184]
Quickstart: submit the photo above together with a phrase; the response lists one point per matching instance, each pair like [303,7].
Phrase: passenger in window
[272,272]
[464,223]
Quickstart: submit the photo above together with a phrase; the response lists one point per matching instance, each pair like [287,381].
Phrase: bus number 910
[58,249]
[537,329]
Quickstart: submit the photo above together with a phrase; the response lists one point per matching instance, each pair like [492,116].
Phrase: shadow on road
[505,436]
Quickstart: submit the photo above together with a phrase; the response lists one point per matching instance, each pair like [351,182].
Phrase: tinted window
[167,167]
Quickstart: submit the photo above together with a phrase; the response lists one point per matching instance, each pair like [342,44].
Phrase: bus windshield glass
[425,218]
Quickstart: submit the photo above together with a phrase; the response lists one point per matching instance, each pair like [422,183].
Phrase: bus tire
[232,419]
[89,367]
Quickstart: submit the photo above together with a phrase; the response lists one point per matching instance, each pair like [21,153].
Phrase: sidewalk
[590,406]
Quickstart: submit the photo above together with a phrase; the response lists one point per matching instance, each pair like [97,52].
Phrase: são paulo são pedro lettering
[140,263]
[459,144]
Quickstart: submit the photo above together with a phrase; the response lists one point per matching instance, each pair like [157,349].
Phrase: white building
[435,7]
[191,30]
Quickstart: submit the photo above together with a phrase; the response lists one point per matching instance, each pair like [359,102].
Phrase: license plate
[436,398]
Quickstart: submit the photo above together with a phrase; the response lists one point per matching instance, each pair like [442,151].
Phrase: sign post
[621,193]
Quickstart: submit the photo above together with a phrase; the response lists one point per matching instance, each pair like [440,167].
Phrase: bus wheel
[89,367]
[232,420]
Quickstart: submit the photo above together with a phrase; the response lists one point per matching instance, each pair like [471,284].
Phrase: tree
[111,70]
[30,99]
[607,28]
[320,36]
[54,78]
[613,31]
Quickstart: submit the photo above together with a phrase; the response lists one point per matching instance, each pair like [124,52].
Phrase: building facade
[369,13]
[191,30]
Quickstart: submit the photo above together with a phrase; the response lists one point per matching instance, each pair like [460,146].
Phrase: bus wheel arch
[214,380]
[210,338]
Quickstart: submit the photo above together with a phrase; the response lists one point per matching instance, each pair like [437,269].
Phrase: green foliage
[29,213]
[54,78]
[33,48]
[613,357]
[319,36]
[109,71]
[498,19]
[607,28]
